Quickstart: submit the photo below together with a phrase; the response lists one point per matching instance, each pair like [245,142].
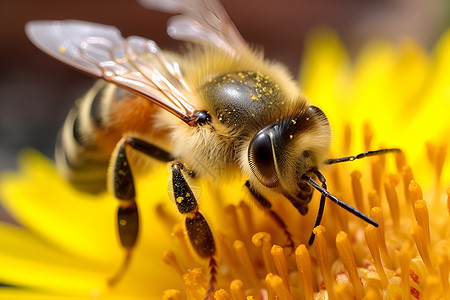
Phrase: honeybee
[220,105]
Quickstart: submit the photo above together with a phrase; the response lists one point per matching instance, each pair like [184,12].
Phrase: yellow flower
[391,96]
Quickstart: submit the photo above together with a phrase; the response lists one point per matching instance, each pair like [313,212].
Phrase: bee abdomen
[79,154]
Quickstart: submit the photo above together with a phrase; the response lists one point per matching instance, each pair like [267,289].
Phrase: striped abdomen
[92,129]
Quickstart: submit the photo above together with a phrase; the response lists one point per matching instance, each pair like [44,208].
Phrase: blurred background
[36,91]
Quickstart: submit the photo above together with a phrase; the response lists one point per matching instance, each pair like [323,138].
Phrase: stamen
[270,290]
[415,192]
[422,217]
[170,259]
[405,259]
[237,290]
[444,268]
[371,235]
[357,190]
[376,171]
[171,294]
[244,259]
[377,214]
[420,239]
[436,155]
[389,187]
[279,287]
[196,284]
[368,135]
[221,294]
[247,217]
[448,200]
[263,240]
[341,215]
[346,254]
[179,234]
[407,176]
[374,199]
[281,266]
[304,267]
[323,260]
[227,255]
[432,288]
[400,160]
[232,222]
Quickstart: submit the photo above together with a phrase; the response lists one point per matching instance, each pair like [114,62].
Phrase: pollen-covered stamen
[221,294]
[303,261]
[171,294]
[373,243]
[357,190]
[270,290]
[323,260]
[436,155]
[237,290]
[244,259]
[419,236]
[346,254]
[391,194]
[280,262]
[422,218]
[374,198]
[263,240]
[415,192]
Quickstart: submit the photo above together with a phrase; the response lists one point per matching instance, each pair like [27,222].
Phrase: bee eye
[261,159]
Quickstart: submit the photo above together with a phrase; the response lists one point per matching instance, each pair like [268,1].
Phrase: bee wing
[134,63]
[200,20]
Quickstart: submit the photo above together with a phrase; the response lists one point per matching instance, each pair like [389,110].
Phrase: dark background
[36,91]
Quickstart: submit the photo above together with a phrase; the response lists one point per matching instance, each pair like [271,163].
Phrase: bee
[219,106]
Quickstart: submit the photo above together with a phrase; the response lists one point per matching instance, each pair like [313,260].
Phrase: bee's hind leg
[122,186]
[197,227]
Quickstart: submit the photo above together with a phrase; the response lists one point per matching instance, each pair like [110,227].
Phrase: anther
[280,262]
[270,290]
[263,240]
[374,199]
[377,214]
[303,261]
[196,284]
[376,174]
[407,176]
[323,260]
[346,254]
[237,290]
[373,243]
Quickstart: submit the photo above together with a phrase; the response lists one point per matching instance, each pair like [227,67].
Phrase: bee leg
[267,206]
[198,230]
[124,191]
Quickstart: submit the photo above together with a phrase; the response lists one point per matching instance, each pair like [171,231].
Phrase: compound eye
[261,159]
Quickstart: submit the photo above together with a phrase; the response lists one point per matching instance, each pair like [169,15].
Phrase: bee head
[282,152]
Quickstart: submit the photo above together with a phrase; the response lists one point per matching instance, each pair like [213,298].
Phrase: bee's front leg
[198,230]
[122,185]
[267,206]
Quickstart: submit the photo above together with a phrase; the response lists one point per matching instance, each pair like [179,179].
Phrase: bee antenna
[326,193]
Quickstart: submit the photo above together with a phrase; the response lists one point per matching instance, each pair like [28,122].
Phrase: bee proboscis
[221,103]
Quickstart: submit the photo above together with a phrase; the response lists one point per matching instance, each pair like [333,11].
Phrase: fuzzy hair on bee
[219,105]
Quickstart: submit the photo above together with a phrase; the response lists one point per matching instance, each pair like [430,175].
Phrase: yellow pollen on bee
[179,199]
[62,49]
[122,222]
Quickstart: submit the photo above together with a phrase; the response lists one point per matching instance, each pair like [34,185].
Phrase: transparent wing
[134,63]
[204,20]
